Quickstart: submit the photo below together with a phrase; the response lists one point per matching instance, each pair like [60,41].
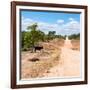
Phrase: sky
[62,23]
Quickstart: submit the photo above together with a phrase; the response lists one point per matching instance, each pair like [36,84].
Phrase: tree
[27,40]
[60,36]
[32,27]
[32,36]
[35,35]
[74,36]
[51,35]
[22,38]
[41,35]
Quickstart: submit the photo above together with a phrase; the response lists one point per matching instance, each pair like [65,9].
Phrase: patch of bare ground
[33,69]
[69,63]
[34,65]
[57,59]
[75,44]
[59,42]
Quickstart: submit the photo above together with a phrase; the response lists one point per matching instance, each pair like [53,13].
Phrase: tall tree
[33,36]
[32,27]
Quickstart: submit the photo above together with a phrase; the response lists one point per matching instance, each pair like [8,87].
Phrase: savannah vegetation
[75,36]
[75,40]
[44,60]
[33,36]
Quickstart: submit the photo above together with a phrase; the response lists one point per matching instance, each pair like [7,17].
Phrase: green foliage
[32,37]
[60,36]
[27,40]
[36,36]
[22,38]
[51,35]
[75,36]
[32,27]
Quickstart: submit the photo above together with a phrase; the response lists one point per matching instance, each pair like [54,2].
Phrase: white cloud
[45,27]
[26,22]
[60,21]
[71,19]
[72,26]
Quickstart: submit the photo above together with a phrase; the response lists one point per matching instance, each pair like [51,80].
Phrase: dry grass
[59,42]
[45,60]
[75,44]
[37,68]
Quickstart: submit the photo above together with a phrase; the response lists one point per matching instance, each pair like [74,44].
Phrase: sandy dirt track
[69,64]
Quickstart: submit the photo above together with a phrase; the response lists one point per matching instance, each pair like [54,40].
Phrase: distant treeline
[74,36]
[33,36]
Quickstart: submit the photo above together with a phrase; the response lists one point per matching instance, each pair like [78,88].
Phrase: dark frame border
[13,44]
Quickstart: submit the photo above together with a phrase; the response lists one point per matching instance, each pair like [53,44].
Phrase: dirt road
[69,64]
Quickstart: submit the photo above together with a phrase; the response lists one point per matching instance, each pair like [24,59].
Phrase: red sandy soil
[69,62]
[70,65]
